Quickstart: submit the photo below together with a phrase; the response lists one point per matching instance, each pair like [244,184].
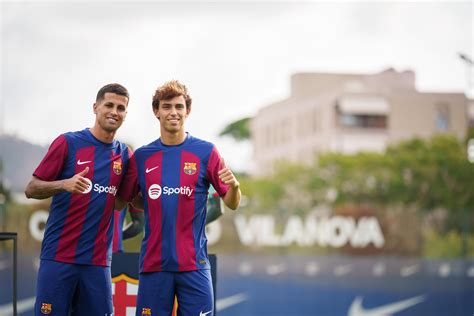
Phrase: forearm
[120,203]
[39,189]
[232,197]
[135,227]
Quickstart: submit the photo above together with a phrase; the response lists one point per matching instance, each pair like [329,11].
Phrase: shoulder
[144,150]
[61,141]
[151,146]
[194,141]
[121,147]
[76,136]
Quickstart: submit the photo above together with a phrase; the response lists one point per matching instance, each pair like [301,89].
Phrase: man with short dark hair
[82,171]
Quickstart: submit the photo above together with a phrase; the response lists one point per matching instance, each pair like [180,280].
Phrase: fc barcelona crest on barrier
[125,285]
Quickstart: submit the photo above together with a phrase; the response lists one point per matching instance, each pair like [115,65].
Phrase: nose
[173,110]
[114,111]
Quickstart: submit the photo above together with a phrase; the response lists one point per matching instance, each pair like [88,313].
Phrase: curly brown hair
[170,90]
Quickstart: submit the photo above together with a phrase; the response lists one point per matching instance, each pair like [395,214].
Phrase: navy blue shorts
[81,290]
[193,290]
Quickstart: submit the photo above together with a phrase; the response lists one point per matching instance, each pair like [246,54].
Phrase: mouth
[111,120]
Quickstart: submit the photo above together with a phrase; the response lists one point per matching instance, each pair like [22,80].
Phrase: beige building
[349,113]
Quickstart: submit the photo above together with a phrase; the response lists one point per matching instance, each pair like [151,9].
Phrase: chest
[105,165]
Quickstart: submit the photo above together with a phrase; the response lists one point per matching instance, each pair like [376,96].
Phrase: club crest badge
[146,311]
[46,308]
[190,168]
[117,167]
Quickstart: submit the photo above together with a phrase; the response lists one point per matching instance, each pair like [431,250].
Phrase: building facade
[349,113]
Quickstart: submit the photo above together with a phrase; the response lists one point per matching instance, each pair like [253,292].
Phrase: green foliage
[427,174]
[5,195]
[446,245]
[263,193]
[420,174]
[470,133]
[239,130]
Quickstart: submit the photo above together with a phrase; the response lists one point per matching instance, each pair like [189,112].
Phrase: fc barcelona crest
[146,311]
[190,168]
[46,308]
[117,167]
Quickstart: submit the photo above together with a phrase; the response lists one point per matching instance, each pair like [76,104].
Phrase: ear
[94,107]
[188,110]
[156,111]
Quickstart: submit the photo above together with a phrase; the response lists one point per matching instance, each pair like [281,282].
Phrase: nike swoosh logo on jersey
[357,309]
[151,169]
[204,314]
[79,162]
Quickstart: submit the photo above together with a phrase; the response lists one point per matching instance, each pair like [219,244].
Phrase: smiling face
[172,114]
[110,112]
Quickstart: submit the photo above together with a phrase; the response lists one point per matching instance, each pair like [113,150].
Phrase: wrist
[62,186]
[235,185]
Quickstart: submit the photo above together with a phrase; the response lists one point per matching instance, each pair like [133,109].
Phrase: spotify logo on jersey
[154,191]
[89,187]
[100,188]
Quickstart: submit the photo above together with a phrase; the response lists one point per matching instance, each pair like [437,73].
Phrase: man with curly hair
[173,175]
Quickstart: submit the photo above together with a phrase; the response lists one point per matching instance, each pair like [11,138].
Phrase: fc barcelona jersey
[174,181]
[80,226]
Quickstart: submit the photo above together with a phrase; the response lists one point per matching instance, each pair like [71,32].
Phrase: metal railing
[12,236]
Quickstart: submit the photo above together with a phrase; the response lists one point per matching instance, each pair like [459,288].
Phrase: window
[442,117]
[363,121]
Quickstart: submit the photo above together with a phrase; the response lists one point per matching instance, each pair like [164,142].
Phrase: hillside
[20,158]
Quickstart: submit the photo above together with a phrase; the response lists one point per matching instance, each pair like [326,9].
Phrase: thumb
[84,172]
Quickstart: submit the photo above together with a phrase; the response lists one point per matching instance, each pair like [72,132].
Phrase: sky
[234,57]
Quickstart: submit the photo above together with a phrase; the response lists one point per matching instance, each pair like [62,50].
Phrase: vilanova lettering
[335,231]
[261,230]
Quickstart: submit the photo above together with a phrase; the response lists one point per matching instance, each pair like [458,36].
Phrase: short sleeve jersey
[174,182]
[80,226]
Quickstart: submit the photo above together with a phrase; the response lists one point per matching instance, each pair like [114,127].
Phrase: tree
[421,174]
[238,130]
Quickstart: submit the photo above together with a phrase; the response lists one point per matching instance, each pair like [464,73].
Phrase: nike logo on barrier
[79,162]
[357,309]
[151,169]
[204,314]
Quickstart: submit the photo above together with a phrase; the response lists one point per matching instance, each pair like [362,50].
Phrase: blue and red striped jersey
[174,182]
[80,226]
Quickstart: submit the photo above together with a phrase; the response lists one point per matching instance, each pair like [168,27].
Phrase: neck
[103,136]
[168,138]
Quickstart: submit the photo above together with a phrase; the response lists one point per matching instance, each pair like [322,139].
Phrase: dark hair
[112,88]
[170,90]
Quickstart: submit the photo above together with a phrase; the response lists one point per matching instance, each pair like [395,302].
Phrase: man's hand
[232,197]
[138,202]
[77,183]
[39,189]
[227,176]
